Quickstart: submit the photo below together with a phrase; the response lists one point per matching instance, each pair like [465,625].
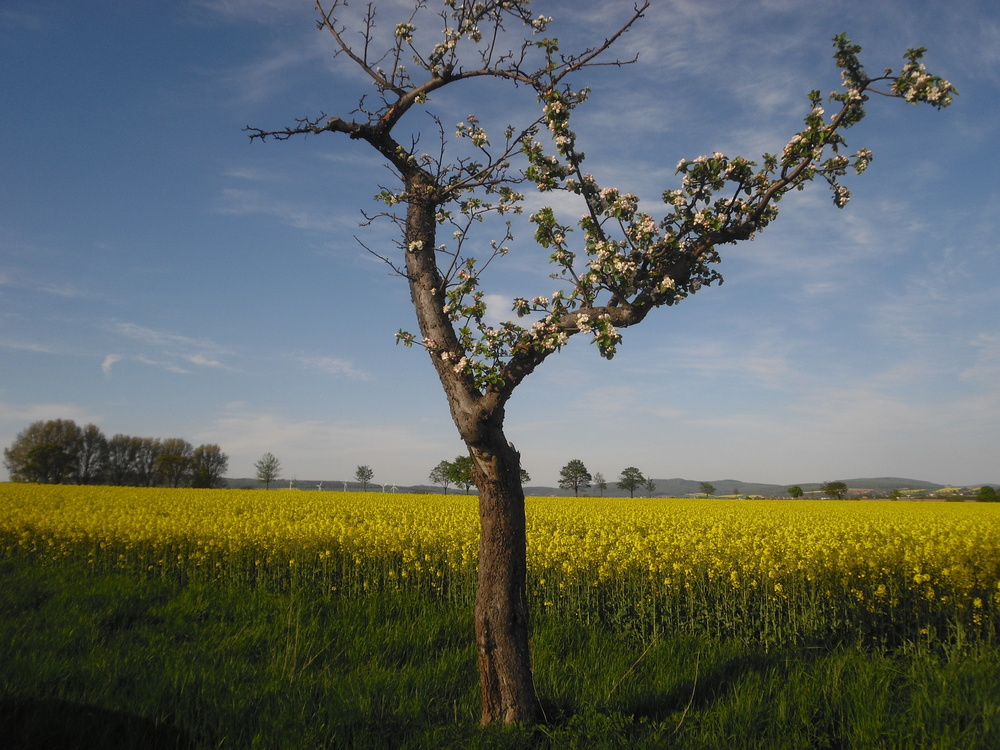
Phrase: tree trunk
[501,614]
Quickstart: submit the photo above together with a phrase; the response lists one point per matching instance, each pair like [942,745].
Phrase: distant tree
[121,457]
[631,479]
[45,452]
[600,483]
[147,461]
[895,494]
[650,487]
[987,494]
[92,455]
[574,476]
[461,472]
[208,464]
[707,488]
[268,469]
[364,475]
[836,490]
[173,464]
[441,475]
[525,476]
[795,491]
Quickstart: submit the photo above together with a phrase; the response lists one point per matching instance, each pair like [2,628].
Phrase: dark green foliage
[836,490]
[60,452]
[574,476]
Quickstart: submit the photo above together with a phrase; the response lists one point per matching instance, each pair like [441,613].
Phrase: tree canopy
[58,451]
[574,476]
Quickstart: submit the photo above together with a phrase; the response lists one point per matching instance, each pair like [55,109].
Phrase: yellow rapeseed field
[772,569]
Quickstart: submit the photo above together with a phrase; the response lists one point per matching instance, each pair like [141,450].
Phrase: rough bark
[501,614]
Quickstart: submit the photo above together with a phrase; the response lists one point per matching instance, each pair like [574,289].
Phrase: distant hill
[675,487]
[678,487]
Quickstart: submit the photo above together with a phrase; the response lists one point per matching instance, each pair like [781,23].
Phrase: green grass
[91,661]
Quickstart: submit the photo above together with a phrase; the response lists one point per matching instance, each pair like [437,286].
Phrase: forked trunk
[501,615]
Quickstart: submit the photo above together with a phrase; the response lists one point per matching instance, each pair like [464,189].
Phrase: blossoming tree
[620,264]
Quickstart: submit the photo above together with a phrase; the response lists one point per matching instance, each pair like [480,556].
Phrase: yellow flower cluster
[735,566]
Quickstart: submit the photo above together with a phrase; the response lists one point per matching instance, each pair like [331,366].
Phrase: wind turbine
[345,486]
[289,484]
[393,488]
[319,486]
[383,488]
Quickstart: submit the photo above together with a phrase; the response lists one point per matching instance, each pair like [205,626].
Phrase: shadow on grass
[667,705]
[28,724]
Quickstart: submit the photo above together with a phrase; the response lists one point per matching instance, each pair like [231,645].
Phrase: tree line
[573,476]
[59,451]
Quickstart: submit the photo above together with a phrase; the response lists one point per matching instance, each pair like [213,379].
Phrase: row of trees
[459,473]
[575,476]
[59,451]
[269,469]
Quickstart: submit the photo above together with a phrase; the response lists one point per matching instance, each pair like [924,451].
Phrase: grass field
[199,618]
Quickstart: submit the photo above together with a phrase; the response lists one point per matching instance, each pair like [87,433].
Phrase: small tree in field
[795,491]
[836,490]
[622,265]
[600,483]
[574,476]
[631,480]
[268,469]
[441,475]
[364,475]
[708,488]
[461,472]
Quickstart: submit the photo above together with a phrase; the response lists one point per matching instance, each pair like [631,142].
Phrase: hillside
[675,487]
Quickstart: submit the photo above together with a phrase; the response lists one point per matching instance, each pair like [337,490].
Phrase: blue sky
[162,276]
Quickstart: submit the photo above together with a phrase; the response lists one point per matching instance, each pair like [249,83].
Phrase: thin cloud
[252,203]
[22,20]
[27,346]
[27,413]
[331,366]
[109,362]
[167,350]
[64,289]
[200,359]
[331,449]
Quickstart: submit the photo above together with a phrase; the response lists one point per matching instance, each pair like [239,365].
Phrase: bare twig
[630,670]
[694,686]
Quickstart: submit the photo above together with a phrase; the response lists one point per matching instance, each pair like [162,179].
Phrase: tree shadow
[711,685]
[52,724]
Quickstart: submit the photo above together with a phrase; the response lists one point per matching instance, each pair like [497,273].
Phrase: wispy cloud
[23,414]
[56,288]
[262,11]
[26,346]
[22,20]
[986,367]
[331,366]
[109,362]
[166,350]
[249,203]
[330,449]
